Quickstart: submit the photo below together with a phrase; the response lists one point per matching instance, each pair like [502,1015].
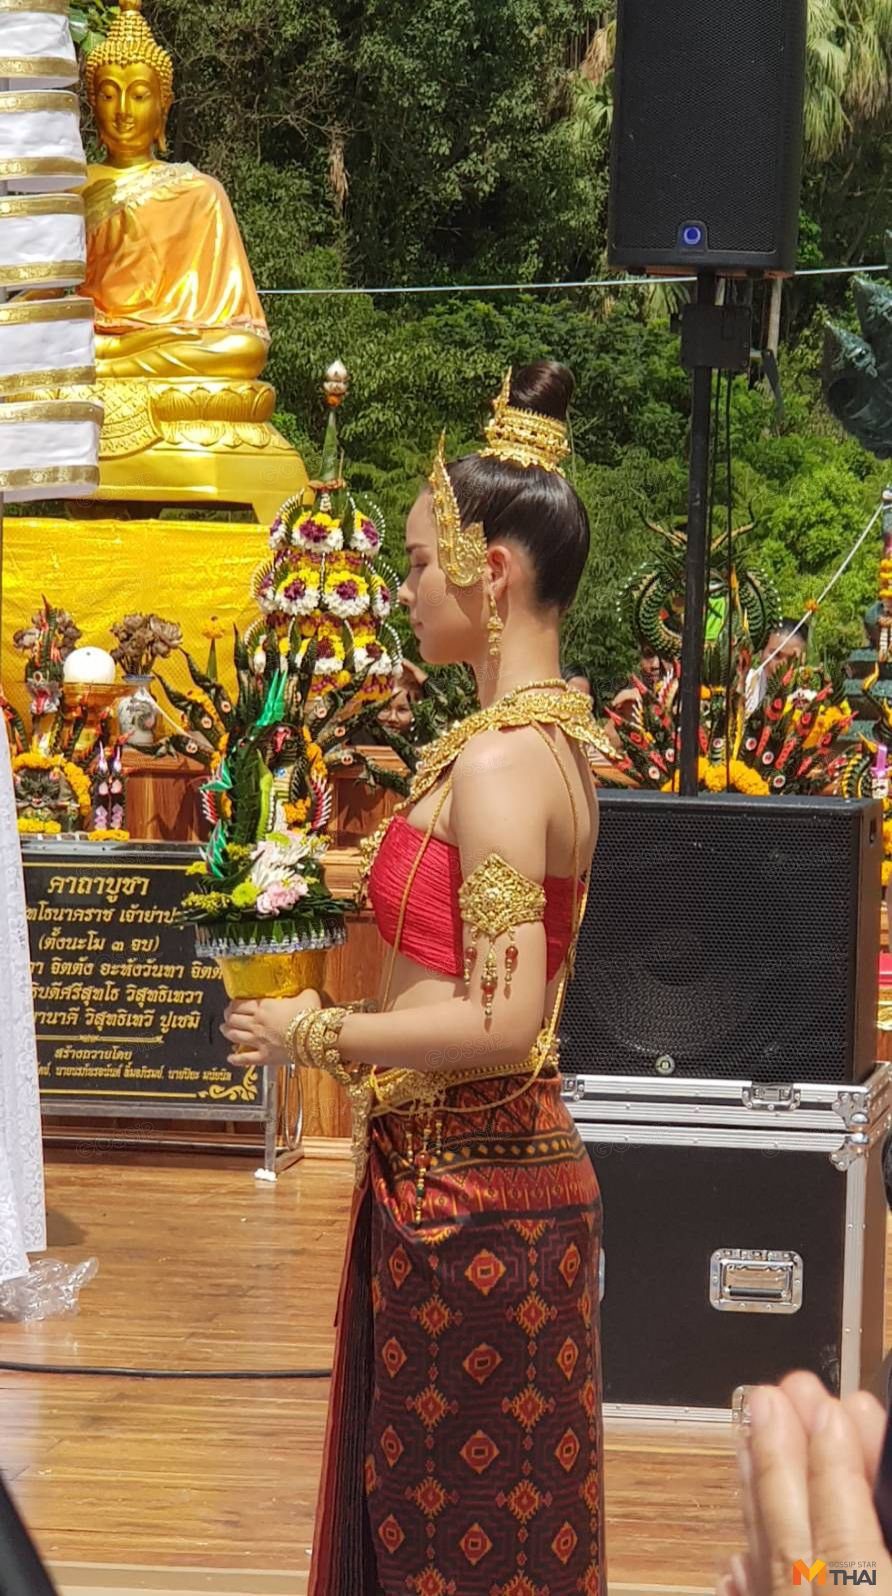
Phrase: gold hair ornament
[524,437]
[496,898]
[462,549]
[130,39]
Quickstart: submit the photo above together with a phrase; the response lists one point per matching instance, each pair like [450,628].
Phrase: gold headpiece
[524,436]
[130,39]
[462,549]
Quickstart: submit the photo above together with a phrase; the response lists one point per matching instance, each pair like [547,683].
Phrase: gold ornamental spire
[524,437]
[462,549]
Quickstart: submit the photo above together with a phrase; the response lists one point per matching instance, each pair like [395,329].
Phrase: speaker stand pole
[698,540]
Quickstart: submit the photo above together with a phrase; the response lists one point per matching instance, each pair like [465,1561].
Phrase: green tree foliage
[421,131]
[385,142]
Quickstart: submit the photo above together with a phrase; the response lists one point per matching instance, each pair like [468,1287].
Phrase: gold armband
[494,900]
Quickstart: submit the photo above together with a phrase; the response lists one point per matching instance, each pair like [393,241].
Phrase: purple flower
[314,532]
[367,536]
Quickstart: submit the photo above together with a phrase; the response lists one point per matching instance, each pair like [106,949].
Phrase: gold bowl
[272,975]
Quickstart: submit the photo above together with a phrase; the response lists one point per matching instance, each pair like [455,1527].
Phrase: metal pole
[698,535]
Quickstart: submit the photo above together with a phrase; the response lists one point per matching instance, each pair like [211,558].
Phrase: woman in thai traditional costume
[463,1455]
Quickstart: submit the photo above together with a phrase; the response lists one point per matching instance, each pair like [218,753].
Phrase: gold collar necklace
[549,702]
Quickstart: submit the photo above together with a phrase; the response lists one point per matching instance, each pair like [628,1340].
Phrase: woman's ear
[500,561]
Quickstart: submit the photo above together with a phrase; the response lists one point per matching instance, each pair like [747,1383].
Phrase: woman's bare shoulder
[509,754]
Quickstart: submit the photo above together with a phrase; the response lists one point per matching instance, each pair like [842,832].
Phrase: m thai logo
[820,1573]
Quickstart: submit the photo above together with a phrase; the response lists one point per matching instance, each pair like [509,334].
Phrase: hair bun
[544,386]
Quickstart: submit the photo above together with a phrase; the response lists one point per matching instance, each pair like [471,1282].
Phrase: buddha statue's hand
[111,346]
[179,352]
[143,353]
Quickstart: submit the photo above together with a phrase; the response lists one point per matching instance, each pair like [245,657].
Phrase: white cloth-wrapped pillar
[22,1221]
[48,449]
[46,343]
[41,151]
[35,44]
[43,241]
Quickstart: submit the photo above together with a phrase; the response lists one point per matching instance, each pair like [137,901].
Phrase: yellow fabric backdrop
[185,571]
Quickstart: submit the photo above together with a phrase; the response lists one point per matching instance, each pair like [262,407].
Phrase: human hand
[807,1470]
[257,1028]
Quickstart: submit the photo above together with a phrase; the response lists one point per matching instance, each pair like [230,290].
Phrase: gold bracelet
[314,1044]
[296,1033]
[320,1039]
[294,1037]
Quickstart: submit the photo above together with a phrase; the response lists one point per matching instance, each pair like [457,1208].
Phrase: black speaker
[707,134]
[729,937]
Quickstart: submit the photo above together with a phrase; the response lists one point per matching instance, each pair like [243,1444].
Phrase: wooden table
[161,797]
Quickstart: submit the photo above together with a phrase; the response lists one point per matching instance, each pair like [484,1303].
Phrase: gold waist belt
[423,1092]
[421,1095]
[393,1090]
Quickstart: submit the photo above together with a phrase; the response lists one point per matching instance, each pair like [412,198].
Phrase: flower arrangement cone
[319,656]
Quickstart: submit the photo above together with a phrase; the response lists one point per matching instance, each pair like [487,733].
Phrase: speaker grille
[708,125]
[723,934]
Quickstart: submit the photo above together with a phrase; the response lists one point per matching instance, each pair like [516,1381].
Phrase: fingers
[240,1008]
[808,1396]
[869,1420]
[237,1032]
[737,1579]
[844,1522]
[780,1529]
[245,1059]
[751,1525]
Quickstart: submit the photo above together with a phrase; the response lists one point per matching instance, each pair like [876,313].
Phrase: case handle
[752,1280]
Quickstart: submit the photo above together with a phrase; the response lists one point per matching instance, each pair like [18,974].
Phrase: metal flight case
[744,1236]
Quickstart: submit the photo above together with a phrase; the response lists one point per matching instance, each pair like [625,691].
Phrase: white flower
[383,666]
[297,597]
[327,667]
[278,899]
[277,861]
[366,538]
[346,595]
[382,602]
[318,532]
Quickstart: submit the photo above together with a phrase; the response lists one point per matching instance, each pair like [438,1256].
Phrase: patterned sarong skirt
[463,1455]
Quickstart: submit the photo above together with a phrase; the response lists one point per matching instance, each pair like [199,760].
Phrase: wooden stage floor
[188,1486]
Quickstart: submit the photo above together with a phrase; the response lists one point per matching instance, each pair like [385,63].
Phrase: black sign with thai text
[123,1007]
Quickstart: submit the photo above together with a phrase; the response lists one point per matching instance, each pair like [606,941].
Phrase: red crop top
[432,930]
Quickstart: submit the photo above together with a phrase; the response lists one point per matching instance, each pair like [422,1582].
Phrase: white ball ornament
[89,667]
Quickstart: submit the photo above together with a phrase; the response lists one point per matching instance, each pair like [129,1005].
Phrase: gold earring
[494,626]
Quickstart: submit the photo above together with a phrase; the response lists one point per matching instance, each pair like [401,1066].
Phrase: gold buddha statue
[181,335]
